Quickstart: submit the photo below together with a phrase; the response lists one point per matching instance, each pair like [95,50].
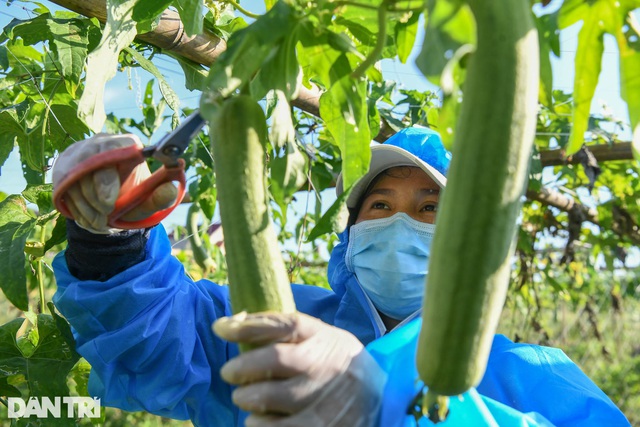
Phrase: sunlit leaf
[571,12]
[405,36]
[145,10]
[247,50]
[344,111]
[320,61]
[588,64]
[70,41]
[629,81]
[547,39]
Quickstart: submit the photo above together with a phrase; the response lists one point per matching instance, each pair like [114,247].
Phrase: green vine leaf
[334,219]
[344,111]
[321,61]
[16,224]
[11,131]
[148,10]
[40,195]
[169,95]
[406,30]
[588,64]
[288,174]
[629,82]
[191,15]
[42,357]
[247,50]
[70,40]
[119,32]
[450,26]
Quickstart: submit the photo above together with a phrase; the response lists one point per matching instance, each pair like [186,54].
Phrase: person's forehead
[405,175]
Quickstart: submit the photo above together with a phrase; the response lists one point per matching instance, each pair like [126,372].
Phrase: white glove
[308,373]
[92,199]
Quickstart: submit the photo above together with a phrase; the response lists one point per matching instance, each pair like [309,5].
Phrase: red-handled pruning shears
[125,159]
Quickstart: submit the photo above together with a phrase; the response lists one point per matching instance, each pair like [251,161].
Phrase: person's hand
[92,198]
[307,373]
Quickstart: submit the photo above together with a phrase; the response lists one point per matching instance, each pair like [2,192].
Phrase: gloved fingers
[341,404]
[83,212]
[267,327]
[278,396]
[101,189]
[275,361]
[162,197]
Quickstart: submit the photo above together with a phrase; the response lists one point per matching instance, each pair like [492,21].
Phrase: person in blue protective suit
[145,326]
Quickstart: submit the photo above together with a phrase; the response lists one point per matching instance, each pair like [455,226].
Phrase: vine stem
[242,9]
[379,47]
[39,270]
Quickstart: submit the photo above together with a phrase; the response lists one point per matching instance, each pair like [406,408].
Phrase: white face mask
[390,258]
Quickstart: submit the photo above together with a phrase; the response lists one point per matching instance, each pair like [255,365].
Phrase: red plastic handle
[124,160]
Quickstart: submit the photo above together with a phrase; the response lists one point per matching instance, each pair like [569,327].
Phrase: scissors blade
[171,147]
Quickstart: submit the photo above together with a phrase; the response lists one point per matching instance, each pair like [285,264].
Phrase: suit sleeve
[146,331]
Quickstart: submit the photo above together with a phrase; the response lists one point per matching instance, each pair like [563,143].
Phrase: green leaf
[405,36]
[11,131]
[169,95]
[58,234]
[547,38]
[362,23]
[288,174]
[15,226]
[8,390]
[46,366]
[343,109]
[191,15]
[571,12]
[281,71]
[31,31]
[119,32]
[70,41]
[450,26]
[320,62]
[40,195]
[629,82]
[588,64]
[334,219]
[246,52]
[148,10]
[195,74]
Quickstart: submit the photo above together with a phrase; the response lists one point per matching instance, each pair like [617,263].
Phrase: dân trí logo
[54,407]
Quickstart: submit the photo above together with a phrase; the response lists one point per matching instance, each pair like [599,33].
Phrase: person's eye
[379,205]
[431,207]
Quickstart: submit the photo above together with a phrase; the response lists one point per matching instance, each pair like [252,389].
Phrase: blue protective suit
[147,334]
